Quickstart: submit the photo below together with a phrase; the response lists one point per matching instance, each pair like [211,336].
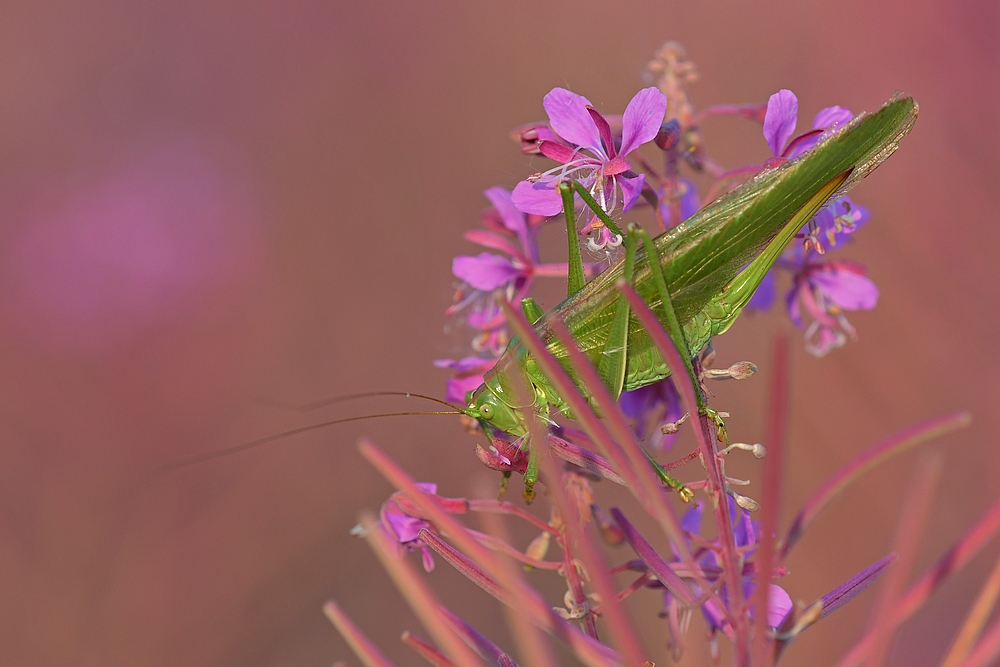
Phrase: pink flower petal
[631,188]
[642,119]
[485,271]
[779,603]
[832,117]
[780,119]
[847,289]
[537,198]
[569,118]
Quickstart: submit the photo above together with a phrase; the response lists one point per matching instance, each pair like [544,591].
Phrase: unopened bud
[539,546]
[741,370]
[669,135]
[610,532]
[673,427]
[746,502]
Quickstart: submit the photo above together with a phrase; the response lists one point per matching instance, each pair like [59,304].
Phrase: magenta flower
[836,221]
[488,277]
[648,408]
[587,153]
[468,376]
[825,290]
[406,529]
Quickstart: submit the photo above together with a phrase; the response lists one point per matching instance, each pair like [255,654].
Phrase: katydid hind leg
[614,356]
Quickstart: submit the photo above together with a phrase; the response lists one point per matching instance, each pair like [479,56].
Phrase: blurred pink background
[209,207]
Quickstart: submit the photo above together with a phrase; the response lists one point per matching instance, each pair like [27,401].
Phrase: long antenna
[350,397]
[201,458]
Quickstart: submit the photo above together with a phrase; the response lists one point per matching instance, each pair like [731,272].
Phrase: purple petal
[780,119]
[406,528]
[631,189]
[779,603]
[847,289]
[485,271]
[642,118]
[456,388]
[763,298]
[689,203]
[792,305]
[538,198]
[569,118]
[832,117]
[513,219]
[691,521]
[464,365]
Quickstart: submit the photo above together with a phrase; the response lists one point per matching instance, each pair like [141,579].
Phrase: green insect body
[711,264]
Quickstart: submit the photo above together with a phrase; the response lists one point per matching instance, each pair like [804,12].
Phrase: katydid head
[487,407]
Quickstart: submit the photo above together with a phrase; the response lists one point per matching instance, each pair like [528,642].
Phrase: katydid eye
[486,411]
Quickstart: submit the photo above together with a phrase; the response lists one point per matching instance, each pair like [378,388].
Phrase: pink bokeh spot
[158,229]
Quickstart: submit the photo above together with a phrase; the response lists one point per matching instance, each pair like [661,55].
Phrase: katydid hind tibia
[710,265]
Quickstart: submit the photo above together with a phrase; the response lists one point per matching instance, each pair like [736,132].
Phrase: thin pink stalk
[466,566]
[895,444]
[777,424]
[576,537]
[653,560]
[987,650]
[421,598]
[574,581]
[363,647]
[583,458]
[975,621]
[641,581]
[500,545]
[954,560]
[916,509]
[530,602]
[535,650]
[482,644]
[504,507]
[710,456]
[426,651]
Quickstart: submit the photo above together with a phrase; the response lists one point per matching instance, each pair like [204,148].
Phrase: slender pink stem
[954,560]
[986,651]
[974,622]
[500,545]
[366,650]
[710,455]
[535,650]
[916,509]
[426,651]
[530,602]
[421,598]
[466,566]
[504,507]
[895,444]
[777,424]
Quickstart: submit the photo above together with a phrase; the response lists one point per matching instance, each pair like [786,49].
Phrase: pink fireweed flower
[468,375]
[488,277]
[825,290]
[587,152]
[779,126]
[648,408]
[406,528]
